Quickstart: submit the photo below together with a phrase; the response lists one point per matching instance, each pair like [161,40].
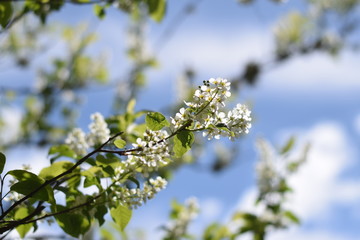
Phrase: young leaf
[156,121]
[121,216]
[120,143]
[290,143]
[21,213]
[182,142]
[292,217]
[131,106]
[2,162]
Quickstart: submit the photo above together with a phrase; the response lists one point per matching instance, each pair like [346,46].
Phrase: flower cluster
[135,197]
[181,216]
[204,112]
[99,131]
[76,140]
[79,142]
[153,149]
[267,173]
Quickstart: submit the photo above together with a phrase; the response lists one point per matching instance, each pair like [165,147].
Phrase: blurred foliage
[274,170]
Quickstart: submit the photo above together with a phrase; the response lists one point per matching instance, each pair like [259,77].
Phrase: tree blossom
[135,197]
[99,131]
[206,112]
[76,140]
[154,149]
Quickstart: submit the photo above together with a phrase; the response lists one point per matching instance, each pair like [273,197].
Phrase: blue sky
[313,97]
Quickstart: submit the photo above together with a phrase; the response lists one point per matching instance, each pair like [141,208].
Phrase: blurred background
[294,63]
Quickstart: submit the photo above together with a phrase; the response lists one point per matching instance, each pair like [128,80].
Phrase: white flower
[154,151]
[76,140]
[135,197]
[99,131]
[158,183]
[239,120]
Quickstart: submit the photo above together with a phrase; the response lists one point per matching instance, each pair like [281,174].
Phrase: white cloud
[295,234]
[319,186]
[219,52]
[316,72]
[222,52]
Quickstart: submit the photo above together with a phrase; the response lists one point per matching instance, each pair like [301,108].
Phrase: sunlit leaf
[182,142]
[121,216]
[120,143]
[21,213]
[156,121]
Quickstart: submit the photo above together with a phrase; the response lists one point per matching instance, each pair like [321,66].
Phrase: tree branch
[50,181]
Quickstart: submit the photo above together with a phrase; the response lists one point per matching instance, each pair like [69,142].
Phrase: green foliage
[120,143]
[182,142]
[216,231]
[55,169]
[157,9]
[121,215]
[28,183]
[74,224]
[6,12]
[21,213]
[2,162]
[156,121]
[61,151]
[288,146]
[292,217]
[100,11]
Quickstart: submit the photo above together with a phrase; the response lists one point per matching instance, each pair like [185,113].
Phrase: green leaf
[182,142]
[157,9]
[6,11]
[2,162]
[29,182]
[156,121]
[99,11]
[101,210]
[55,169]
[61,151]
[121,216]
[73,224]
[131,106]
[120,143]
[291,216]
[21,213]
[91,178]
[288,146]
